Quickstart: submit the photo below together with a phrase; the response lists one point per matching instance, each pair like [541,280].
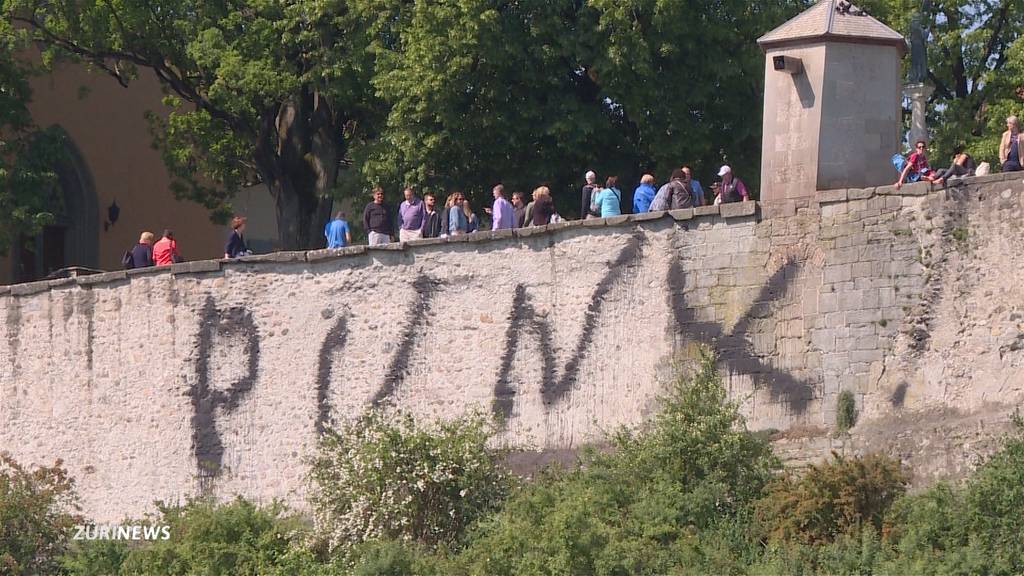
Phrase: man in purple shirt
[502,214]
[410,217]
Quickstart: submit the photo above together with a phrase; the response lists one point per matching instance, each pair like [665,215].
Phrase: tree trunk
[297,156]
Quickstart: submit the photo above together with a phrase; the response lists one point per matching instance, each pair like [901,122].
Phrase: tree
[37,511]
[261,90]
[975,62]
[27,155]
[541,90]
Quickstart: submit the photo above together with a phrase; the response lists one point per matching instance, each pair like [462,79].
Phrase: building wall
[792,115]
[215,376]
[107,125]
[860,117]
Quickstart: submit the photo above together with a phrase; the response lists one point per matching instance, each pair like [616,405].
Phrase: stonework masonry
[217,376]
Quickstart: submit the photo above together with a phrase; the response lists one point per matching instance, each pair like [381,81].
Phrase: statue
[918,72]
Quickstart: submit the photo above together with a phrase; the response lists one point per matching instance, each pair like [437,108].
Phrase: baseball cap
[724,170]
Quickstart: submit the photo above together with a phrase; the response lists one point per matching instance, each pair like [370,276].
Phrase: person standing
[165,251]
[674,194]
[411,213]
[458,224]
[586,195]
[1009,146]
[543,206]
[518,210]
[644,194]
[695,187]
[502,213]
[235,246]
[472,222]
[141,255]
[608,202]
[337,232]
[732,188]
[432,219]
[377,219]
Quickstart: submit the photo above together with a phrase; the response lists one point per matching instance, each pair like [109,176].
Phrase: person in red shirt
[917,163]
[165,251]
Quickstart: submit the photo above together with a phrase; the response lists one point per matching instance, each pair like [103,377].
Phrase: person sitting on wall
[963,165]
[1009,146]
[916,166]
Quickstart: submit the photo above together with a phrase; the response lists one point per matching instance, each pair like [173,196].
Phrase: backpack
[899,162]
[127,260]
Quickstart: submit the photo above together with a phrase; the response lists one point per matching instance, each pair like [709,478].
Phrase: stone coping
[915,189]
[722,211]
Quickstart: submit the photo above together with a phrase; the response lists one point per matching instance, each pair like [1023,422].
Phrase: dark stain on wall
[13,322]
[733,348]
[899,395]
[85,304]
[334,342]
[524,317]
[233,326]
[399,365]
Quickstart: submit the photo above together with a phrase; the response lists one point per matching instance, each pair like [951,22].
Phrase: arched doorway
[73,238]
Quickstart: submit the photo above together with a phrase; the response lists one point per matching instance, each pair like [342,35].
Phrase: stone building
[112,164]
[831,103]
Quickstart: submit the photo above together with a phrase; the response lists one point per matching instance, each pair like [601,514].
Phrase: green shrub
[670,498]
[836,498]
[846,411]
[37,513]
[387,477]
[237,538]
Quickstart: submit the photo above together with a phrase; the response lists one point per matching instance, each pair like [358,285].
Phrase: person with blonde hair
[472,222]
[458,223]
[140,255]
[543,206]
[1009,146]
[644,194]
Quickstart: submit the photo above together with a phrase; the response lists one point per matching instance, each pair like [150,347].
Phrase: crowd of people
[418,217]
[915,167]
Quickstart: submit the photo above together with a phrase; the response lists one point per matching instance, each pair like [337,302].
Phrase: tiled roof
[823,21]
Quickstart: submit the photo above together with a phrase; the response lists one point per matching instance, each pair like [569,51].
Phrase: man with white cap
[732,188]
[587,195]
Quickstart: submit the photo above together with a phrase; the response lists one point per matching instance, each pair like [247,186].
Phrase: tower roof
[828,20]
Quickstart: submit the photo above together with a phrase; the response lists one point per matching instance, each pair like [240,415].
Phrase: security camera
[788,64]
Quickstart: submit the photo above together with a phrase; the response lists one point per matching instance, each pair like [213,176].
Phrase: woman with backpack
[608,202]
[140,255]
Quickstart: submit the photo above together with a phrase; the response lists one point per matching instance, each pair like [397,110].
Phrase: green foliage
[28,155]
[37,511]
[384,476]
[659,503]
[976,63]
[833,499]
[205,538]
[846,411]
[320,99]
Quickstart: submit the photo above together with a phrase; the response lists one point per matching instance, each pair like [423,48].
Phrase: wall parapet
[723,212]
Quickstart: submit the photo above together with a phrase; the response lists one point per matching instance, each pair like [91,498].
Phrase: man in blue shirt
[337,232]
[698,190]
[644,194]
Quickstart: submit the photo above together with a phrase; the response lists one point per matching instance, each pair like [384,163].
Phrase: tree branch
[1003,13]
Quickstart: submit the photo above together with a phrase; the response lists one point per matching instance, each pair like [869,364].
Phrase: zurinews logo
[117,532]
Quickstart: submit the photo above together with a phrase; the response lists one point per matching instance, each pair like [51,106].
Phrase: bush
[671,498]
[37,512]
[836,498]
[237,538]
[386,477]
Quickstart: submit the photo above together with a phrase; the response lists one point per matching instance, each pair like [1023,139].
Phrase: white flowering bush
[385,476]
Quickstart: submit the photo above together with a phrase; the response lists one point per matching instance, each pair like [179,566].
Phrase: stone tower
[831,102]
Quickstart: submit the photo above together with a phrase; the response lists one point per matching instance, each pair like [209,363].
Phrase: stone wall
[215,376]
